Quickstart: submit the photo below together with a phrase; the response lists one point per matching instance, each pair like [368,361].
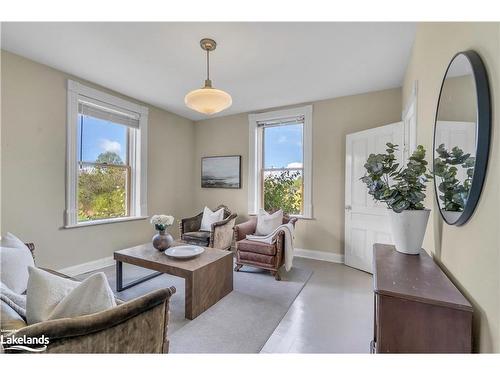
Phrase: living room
[182,187]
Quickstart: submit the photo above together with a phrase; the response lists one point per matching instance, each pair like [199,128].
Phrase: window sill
[301,217]
[106,221]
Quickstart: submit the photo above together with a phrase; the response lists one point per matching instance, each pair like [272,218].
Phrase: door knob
[348,207]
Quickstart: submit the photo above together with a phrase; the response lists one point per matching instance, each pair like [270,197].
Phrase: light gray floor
[241,322]
[332,314]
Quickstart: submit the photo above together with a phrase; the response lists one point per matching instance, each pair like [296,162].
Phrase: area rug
[241,322]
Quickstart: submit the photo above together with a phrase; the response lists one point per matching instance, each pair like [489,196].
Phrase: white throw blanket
[289,237]
[16,301]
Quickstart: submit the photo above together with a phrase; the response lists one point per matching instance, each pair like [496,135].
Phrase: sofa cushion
[257,247]
[15,258]
[92,295]
[10,240]
[51,297]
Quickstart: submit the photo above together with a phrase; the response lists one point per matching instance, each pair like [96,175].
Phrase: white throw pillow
[210,217]
[15,258]
[9,240]
[267,223]
[91,296]
[51,297]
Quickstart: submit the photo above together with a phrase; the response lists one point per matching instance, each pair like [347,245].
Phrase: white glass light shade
[208,100]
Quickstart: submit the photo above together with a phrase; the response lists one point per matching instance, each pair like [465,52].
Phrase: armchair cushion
[257,247]
[199,236]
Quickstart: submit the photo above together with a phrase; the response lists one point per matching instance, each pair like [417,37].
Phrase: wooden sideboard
[417,308]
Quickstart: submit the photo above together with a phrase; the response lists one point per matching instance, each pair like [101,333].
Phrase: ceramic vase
[162,241]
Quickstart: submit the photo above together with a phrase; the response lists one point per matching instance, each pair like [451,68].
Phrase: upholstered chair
[136,326]
[259,254]
[219,237]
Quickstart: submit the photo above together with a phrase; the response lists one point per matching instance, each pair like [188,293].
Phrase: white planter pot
[451,216]
[408,229]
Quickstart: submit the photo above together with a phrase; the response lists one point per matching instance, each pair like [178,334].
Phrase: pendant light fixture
[208,100]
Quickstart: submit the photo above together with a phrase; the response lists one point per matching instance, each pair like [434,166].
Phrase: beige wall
[33,169]
[470,253]
[332,120]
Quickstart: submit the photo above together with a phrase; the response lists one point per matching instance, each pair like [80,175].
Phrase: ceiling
[262,65]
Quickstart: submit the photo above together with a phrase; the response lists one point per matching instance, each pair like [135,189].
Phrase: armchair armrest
[221,236]
[135,326]
[280,235]
[244,229]
[31,246]
[190,224]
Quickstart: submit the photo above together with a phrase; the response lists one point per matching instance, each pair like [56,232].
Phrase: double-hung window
[280,161]
[106,157]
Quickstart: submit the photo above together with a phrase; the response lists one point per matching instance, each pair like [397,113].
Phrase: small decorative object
[402,190]
[184,251]
[162,240]
[221,172]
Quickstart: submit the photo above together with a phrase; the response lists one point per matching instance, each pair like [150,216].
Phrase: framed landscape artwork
[221,172]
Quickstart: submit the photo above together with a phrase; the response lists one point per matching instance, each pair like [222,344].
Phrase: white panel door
[366,221]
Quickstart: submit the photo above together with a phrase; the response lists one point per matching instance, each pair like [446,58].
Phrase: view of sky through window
[283,146]
[98,136]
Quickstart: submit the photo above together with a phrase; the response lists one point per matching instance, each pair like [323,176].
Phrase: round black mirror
[461,137]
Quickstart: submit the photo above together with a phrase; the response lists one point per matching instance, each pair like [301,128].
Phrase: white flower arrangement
[162,221]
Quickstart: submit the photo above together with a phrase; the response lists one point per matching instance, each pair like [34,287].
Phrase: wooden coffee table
[208,277]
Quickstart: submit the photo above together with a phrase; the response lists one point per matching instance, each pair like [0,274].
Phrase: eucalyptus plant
[452,192]
[400,188]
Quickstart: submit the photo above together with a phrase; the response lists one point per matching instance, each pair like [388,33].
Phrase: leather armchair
[258,254]
[220,235]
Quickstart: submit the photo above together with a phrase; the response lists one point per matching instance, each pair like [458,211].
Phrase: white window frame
[255,156]
[138,151]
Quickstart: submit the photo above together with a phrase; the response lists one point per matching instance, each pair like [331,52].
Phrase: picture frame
[221,172]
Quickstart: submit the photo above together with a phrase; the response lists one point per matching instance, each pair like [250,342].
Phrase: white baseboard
[87,267]
[319,255]
[109,261]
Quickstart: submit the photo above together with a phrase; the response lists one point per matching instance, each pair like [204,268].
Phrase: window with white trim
[106,157]
[280,161]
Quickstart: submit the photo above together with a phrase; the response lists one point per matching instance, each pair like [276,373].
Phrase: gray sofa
[136,326]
